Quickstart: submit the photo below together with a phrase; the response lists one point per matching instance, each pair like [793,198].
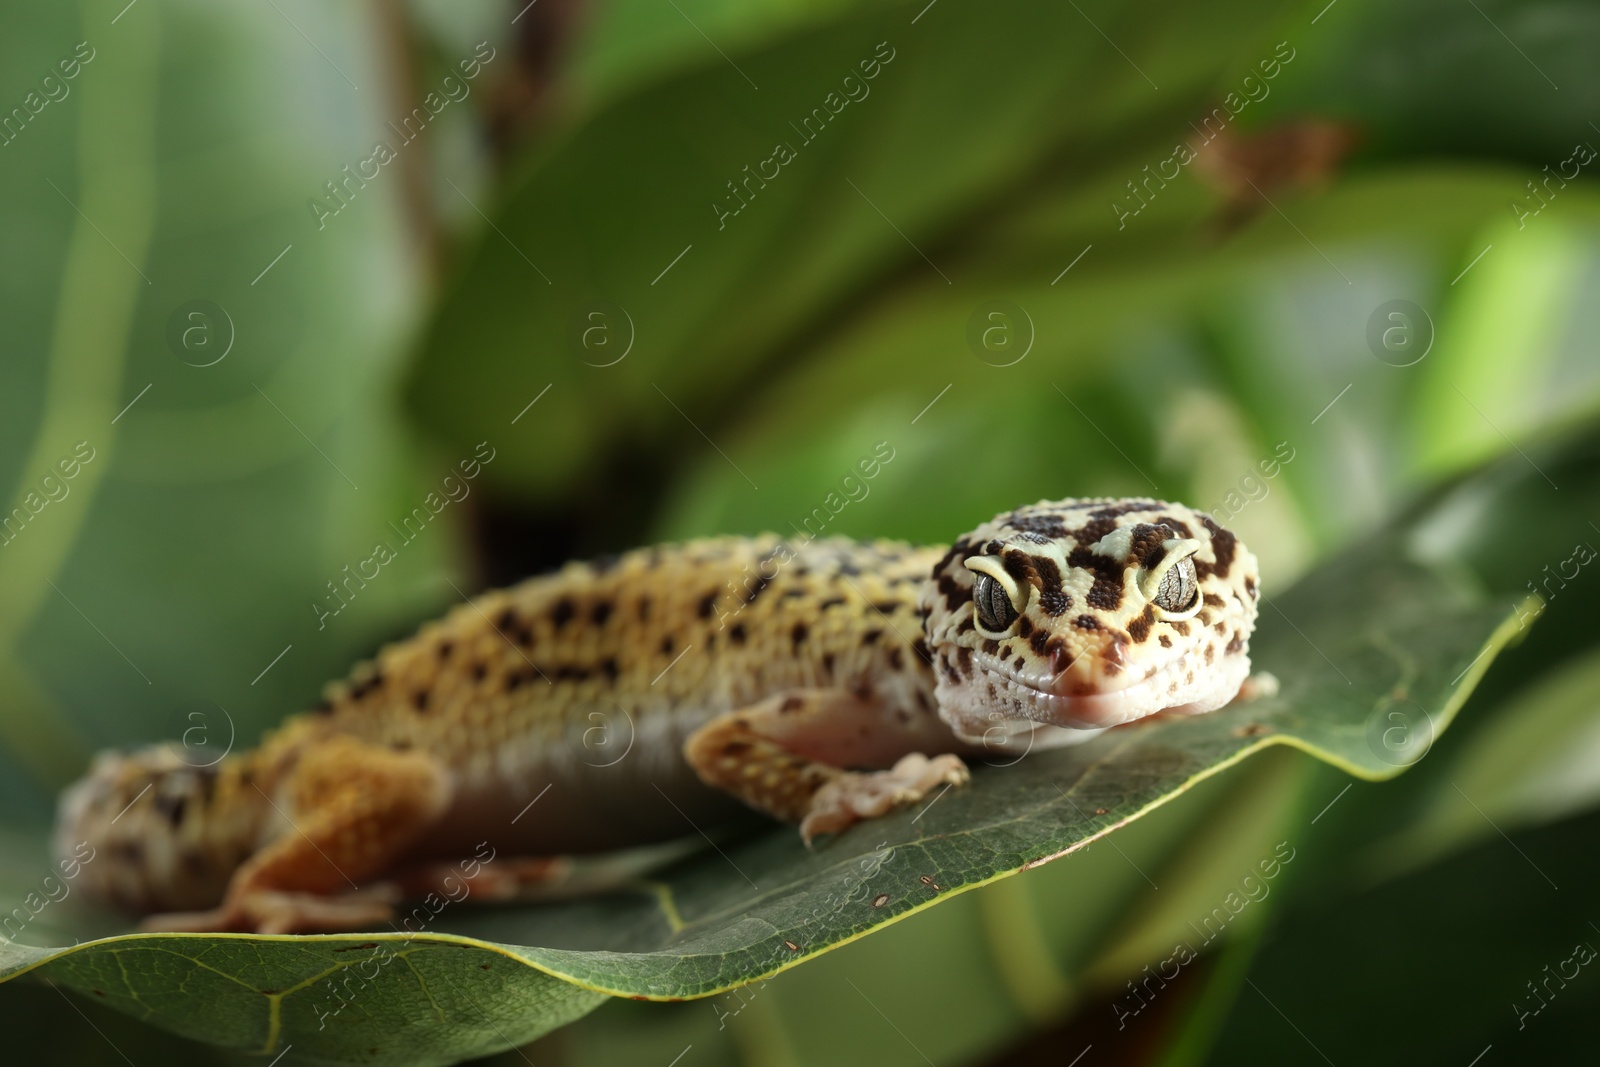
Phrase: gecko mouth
[1084,711]
[1045,699]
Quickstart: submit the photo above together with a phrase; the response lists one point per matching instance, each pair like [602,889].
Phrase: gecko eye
[997,600]
[1178,589]
[995,612]
[1171,583]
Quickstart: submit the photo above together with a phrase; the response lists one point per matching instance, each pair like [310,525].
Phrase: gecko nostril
[1116,654]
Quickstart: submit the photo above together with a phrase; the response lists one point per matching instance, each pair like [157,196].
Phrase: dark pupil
[1177,586]
[994,607]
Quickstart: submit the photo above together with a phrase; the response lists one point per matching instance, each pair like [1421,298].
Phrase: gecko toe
[854,797]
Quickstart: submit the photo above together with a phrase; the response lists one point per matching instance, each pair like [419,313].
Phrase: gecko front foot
[271,911]
[854,796]
[1258,685]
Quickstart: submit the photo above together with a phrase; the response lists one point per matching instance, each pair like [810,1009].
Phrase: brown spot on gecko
[172,807]
[1223,547]
[1055,602]
[1106,592]
[1139,629]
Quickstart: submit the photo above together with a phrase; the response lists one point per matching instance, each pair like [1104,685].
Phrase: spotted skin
[645,696]
[1089,648]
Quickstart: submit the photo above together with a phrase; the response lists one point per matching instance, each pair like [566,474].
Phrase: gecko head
[148,831]
[1086,614]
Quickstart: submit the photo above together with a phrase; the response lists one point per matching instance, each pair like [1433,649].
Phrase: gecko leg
[787,755]
[1258,685]
[351,809]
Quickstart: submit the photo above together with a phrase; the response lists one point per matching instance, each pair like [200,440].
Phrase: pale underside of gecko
[643,697]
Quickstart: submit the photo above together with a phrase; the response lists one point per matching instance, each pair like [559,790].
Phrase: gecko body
[644,697]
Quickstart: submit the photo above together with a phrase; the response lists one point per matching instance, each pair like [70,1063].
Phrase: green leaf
[1433,967]
[1369,647]
[220,498]
[972,104]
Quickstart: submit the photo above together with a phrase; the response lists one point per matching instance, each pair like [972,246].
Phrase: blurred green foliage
[383,347]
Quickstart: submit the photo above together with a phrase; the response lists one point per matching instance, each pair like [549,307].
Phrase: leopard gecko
[822,683]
